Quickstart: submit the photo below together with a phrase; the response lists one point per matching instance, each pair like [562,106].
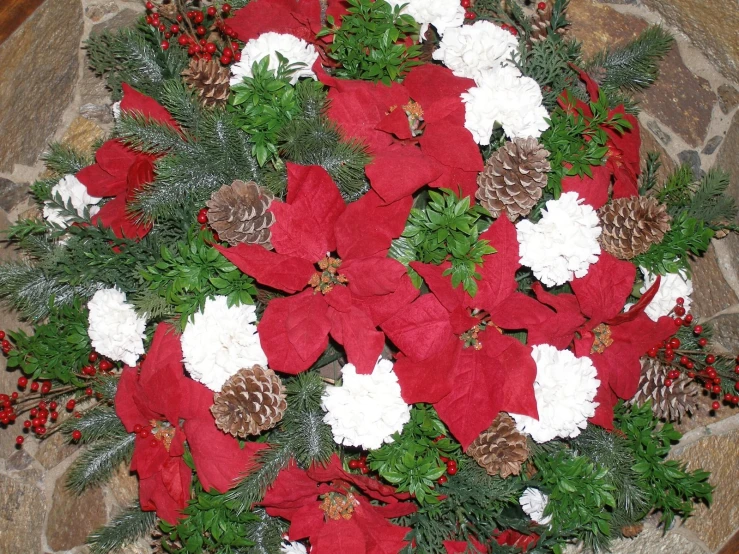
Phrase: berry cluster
[686,352]
[203,32]
[468,14]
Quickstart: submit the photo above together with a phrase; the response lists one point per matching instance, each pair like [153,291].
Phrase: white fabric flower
[534,502]
[476,50]
[565,387]
[367,409]
[116,109]
[442,14]
[70,189]
[296,50]
[221,340]
[292,547]
[115,330]
[671,287]
[563,244]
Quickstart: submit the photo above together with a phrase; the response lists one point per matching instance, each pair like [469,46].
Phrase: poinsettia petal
[139,174]
[421,329]
[396,123]
[339,298]
[462,547]
[603,290]
[148,457]
[560,329]
[115,158]
[294,331]
[438,91]
[463,183]
[167,492]
[136,102]
[593,190]
[520,311]
[382,308]
[372,276]
[339,536]
[299,18]
[428,380]
[441,286]
[100,183]
[381,536]
[291,490]
[115,216]
[437,141]
[498,270]
[399,171]
[125,406]
[360,338]
[288,273]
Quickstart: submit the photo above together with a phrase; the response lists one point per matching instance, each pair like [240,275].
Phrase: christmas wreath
[371,277]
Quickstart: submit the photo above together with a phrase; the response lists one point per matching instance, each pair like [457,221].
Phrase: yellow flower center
[325,280]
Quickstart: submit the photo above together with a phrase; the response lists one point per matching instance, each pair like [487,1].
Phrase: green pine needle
[125,528]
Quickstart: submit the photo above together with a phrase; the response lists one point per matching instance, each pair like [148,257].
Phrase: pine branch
[64,159]
[266,533]
[95,424]
[710,203]
[270,462]
[649,175]
[548,63]
[182,104]
[97,464]
[106,385]
[151,137]
[125,528]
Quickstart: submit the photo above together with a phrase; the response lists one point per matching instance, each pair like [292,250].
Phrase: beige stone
[123,486]
[710,24]
[39,69]
[22,508]
[82,134]
[54,450]
[650,144]
[599,26]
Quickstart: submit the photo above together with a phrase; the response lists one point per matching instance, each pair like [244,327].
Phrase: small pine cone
[250,402]
[500,449]
[210,80]
[631,531]
[632,225]
[513,178]
[668,403]
[540,24]
[239,213]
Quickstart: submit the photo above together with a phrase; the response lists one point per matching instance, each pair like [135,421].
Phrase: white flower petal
[294,49]
[70,189]
[115,330]
[671,287]
[442,14]
[533,502]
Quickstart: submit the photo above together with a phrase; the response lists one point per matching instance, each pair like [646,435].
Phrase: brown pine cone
[239,213]
[250,402]
[513,178]
[632,225]
[210,80]
[668,403]
[500,449]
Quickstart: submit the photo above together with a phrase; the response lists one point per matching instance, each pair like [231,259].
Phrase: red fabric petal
[438,91]
[291,490]
[140,173]
[463,183]
[437,141]
[510,537]
[420,330]
[301,18]
[400,171]
[360,338]
[381,536]
[304,227]
[134,101]
[339,536]
[603,291]
[462,547]
[339,298]
[428,380]
[294,331]
[287,273]
[382,308]
[125,407]
[498,270]
[396,123]
[373,276]
[593,190]
[100,183]
[167,493]
[441,286]
[560,329]
[149,457]
[115,158]
[115,216]
[520,311]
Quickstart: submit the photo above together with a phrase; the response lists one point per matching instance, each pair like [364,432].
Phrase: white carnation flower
[476,50]
[534,502]
[442,14]
[564,388]
[221,340]
[509,99]
[563,244]
[115,330]
[70,189]
[671,287]
[367,409]
[292,547]
[294,49]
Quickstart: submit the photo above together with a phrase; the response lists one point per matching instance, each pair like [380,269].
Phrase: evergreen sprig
[97,423]
[63,159]
[97,463]
[548,62]
[711,204]
[125,528]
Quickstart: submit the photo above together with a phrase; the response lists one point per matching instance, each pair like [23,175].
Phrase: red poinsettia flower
[454,354]
[165,408]
[333,509]
[345,296]
[591,321]
[509,537]
[120,171]
[620,173]
[301,18]
[414,131]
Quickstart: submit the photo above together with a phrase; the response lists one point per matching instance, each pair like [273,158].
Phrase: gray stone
[95,12]
[124,18]
[728,98]
[711,145]
[12,194]
[22,509]
[97,112]
[18,460]
[693,159]
[659,132]
[54,450]
[36,87]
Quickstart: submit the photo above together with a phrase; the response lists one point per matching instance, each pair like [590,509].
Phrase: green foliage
[548,63]
[678,190]
[576,139]
[63,159]
[126,527]
[57,350]
[448,229]
[264,103]
[370,43]
[188,274]
[95,424]
[669,486]
[711,204]
[412,462]
[581,495]
[500,11]
[97,463]
[648,179]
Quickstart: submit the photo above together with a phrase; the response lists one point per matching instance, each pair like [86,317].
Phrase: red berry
[5,344]
[443,479]
[451,469]
[2,335]
[541,6]
[54,415]
[14,396]
[691,374]
[354,464]
[715,406]
[673,374]
[35,386]
[162,27]
[717,380]
[165,45]
[27,424]
[182,40]
[716,389]
[652,352]
[138,428]
[728,397]
[710,359]
[702,342]
[22,382]
[513,31]
[711,371]
[237,56]
[688,319]
[76,434]
[234,45]
[202,219]
[19,440]
[228,52]
[698,329]
[226,8]
[736,385]
[680,301]
[149,6]
[46,387]
[690,365]
[364,470]
[211,11]
[684,360]
[467,15]
[207,57]
[225,60]
[736,369]
[210,48]
[88,391]
[735,399]
[106,365]
[144,434]
[678,321]
[679,310]
[200,30]
[174,29]
[71,404]
[668,382]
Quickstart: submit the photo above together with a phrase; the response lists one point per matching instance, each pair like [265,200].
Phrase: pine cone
[210,80]
[513,178]
[238,213]
[669,403]
[500,449]
[250,402]
[540,22]
[631,225]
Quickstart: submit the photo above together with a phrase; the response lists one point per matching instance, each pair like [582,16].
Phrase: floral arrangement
[370,277]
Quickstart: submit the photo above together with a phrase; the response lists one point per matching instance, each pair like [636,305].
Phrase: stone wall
[690,116]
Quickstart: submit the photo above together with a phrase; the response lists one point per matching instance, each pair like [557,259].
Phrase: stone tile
[73,517]
[101,113]
[22,507]
[710,24]
[37,86]
[728,156]
[12,194]
[660,133]
[599,26]
[650,144]
[123,486]
[693,159]
[18,460]
[124,18]
[728,98]
[712,144]
[82,134]
[681,100]
[54,450]
[95,12]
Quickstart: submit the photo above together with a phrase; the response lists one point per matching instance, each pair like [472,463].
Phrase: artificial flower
[115,330]
[564,387]
[672,287]
[332,509]
[219,341]
[509,99]
[366,410]
[71,191]
[165,408]
[563,243]
[476,50]
[534,502]
[298,53]
[442,14]
[344,296]
[301,18]
[292,547]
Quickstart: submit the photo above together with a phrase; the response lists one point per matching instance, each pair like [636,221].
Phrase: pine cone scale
[210,80]
[631,225]
[239,213]
[501,449]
